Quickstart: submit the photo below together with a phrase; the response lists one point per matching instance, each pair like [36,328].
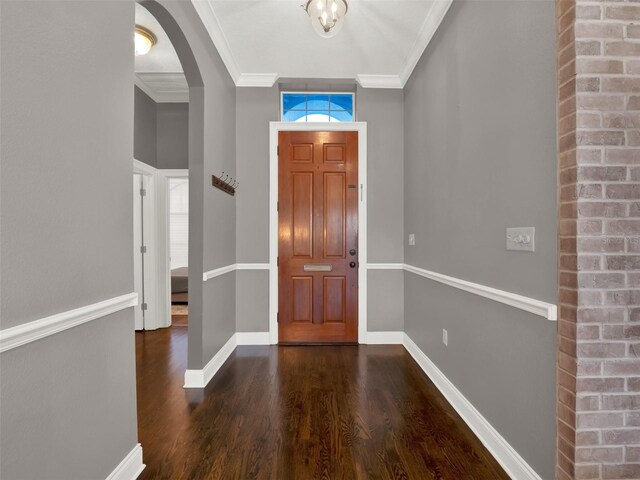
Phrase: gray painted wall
[479,157]
[383,112]
[255,108]
[65,235]
[212,149]
[173,135]
[252,300]
[161,132]
[68,403]
[145,128]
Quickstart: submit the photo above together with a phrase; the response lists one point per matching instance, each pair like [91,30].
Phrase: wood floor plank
[297,413]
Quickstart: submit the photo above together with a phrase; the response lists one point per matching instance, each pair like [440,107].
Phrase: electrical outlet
[412,239]
[445,337]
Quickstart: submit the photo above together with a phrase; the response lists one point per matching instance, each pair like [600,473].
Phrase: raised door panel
[302,299]
[334,153]
[334,214]
[302,213]
[302,153]
[334,299]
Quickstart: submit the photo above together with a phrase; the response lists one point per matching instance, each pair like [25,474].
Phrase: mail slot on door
[318,267]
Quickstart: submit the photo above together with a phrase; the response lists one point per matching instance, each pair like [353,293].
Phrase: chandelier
[327,16]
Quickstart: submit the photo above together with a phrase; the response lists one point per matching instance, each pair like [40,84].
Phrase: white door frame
[138,280]
[153,314]
[164,175]
[274,129]
[156,225]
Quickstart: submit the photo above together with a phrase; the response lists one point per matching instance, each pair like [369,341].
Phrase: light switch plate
[412,239]
[521,239]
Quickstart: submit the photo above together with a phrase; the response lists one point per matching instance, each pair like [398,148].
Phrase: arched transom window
[317,107]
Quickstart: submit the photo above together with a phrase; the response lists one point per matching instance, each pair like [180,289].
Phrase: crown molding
[433,19]
[212,25]
[379,81]
[257,80]
[180,96]
[438,10]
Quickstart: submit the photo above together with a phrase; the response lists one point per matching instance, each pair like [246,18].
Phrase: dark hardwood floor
[321,412]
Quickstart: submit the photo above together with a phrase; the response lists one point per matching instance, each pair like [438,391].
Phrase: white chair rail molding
[531,305]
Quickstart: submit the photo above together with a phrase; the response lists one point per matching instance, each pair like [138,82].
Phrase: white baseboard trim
[515,466]
[253,338]
[129,468]
[200,378]
[30,332]
[385,338]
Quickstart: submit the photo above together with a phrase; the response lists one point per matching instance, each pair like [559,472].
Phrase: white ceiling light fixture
[327,16]
[144,40]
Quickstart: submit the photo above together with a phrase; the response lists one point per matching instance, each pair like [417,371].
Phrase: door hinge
[278,149]
[143,249]
[143,192]
[143,306]
[277,206]
[278,261]
[278,317]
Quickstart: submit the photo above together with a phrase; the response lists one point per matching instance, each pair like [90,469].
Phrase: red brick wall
[599,246]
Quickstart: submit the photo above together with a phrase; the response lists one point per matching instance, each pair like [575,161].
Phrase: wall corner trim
[200,378]
[30,332]
[504,453]
[130,467]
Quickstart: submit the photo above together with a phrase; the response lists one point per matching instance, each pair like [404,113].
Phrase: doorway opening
[178,189]
[161,193]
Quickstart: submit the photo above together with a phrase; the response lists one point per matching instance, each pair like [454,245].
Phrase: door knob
[352,264]
[352,252]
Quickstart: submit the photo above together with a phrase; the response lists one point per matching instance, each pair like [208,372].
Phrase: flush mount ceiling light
[327,16]
[144,40]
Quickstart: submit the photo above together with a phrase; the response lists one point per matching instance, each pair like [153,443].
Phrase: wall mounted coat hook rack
[223,184]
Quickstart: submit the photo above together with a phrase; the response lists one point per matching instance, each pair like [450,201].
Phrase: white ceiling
[262,40]
[159,73]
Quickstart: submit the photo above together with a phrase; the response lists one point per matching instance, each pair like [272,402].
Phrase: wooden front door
[318,237]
